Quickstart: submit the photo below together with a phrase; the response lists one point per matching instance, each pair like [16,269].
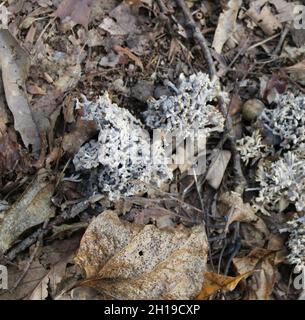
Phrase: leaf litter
[204,236]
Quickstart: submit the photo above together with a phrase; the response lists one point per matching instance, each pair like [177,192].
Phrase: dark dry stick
[197,35]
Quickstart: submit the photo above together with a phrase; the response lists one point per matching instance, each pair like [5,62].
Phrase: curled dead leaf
[260,12]
[215,283]
[261,262]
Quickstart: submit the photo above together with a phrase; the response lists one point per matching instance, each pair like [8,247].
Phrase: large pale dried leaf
[226,25]
[262,15]
[218,168]
[215,282]
[129,261]
[284,9]
[14,64]
[32,209]
[78,10]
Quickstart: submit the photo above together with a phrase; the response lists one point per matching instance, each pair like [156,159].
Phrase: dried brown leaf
[82,132]
[226,25]
[14,63]
[78,10]
[120,22]
[31,280]
[262,15]
[128,261]
[261,262]
[32,209]
[230,204]
[215,282]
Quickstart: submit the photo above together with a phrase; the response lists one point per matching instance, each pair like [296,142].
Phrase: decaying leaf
[32,209]
[129,261]
[41,290]
[10,156]
[46,275]
[130,55]
[83,131]
[30,281]
[297,72]
[261,263]
[78,10]
[215,283]
[260,12]
[14,64]
[230,204]
[120,21]
[218,168]
[226,25]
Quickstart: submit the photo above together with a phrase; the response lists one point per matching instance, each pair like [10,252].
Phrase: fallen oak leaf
[125,51]
[215,282]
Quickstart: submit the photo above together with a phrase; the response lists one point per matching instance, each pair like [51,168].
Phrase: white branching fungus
[122,154]
[282,183]
[251,147]
[189,110]
[296,242]
[287,120]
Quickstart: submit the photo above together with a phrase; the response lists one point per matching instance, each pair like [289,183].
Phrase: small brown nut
[252,109]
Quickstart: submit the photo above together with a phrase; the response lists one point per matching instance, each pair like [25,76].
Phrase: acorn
[252,109]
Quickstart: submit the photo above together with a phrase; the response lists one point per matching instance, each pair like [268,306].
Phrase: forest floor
[63,234]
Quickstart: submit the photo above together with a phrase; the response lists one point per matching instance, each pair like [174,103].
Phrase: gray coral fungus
[189,110]
[287,120]
[251,147]
[282,182]
[126,161]
[122,153]
[296,242]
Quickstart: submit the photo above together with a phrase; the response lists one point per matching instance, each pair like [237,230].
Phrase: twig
[32,257]
[197,35]
[263,42]
[278,48]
